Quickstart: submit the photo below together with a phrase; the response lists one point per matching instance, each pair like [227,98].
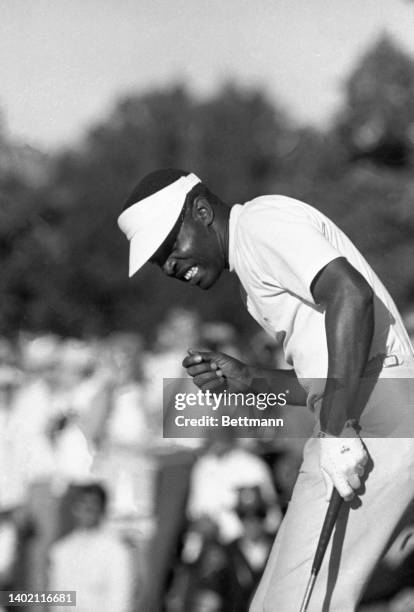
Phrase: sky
[64,63]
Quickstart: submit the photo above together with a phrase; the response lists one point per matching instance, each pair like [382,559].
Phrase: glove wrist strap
[349,424]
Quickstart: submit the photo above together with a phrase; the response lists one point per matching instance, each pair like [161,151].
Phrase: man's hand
[342,461]
[213,371]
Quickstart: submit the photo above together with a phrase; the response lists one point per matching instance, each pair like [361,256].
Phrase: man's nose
[169,266]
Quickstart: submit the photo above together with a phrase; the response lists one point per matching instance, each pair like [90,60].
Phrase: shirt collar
[234,216]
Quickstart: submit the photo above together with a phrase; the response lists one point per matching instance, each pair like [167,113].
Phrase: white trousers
[365,527]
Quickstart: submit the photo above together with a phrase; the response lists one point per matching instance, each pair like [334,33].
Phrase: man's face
[87,511]
[191,252]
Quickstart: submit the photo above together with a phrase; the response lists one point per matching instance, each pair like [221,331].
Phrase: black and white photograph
[207,305]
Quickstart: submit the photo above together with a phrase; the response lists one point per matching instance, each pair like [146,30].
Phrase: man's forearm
[349,329]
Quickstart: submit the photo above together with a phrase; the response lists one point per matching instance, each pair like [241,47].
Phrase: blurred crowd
[93,499]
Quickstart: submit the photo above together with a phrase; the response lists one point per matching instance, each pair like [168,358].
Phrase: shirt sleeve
[288,253]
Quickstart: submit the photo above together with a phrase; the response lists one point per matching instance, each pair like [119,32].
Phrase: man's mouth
[191,273]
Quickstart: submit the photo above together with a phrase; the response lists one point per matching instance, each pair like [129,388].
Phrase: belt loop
[391,361]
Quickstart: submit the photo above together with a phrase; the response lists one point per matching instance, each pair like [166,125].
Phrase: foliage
[378,121]
[64,261]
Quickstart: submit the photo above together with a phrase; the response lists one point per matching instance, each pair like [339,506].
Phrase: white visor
[148,222]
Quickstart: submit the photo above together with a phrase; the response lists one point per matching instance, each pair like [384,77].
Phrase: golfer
[352,363]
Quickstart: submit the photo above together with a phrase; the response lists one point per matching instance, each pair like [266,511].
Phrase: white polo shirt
[277,245]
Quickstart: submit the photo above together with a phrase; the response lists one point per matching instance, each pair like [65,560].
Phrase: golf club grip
[335,504]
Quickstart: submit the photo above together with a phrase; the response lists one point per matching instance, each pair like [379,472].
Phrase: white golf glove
[342,461]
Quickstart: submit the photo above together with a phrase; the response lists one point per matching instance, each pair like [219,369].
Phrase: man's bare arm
[349,321]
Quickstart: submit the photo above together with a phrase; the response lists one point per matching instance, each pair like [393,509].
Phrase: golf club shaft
[335,504]
[308,592]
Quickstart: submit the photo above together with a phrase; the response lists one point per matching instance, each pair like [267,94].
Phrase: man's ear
[202,210]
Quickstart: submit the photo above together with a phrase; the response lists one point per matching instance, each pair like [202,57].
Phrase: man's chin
[204,285]
[208,281]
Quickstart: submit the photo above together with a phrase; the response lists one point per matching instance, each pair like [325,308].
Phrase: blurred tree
[378,120]
[27,243]
[242,140]
[373,196]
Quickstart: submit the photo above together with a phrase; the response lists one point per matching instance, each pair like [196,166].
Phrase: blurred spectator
[179,331]
[256,541]
[69,408]
[222,576]
[91,560]
[124,460]
[174,456]
[266,352]
[82,400]
[231,571]
[234,513]
[73,455]
[37,403]
[217,479]
[219,336]
[13,458]
[285,470]
[8,550]
[13,481]
[127,419]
